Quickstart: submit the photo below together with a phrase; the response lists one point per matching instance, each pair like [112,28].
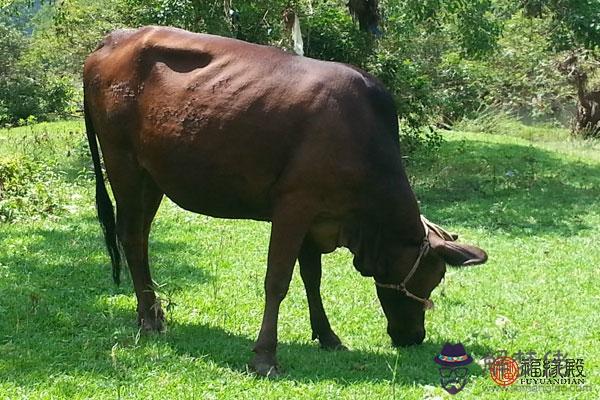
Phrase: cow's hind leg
[138,199]
[310,270]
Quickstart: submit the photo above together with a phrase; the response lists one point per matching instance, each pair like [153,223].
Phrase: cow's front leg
[310,270]
[289,226]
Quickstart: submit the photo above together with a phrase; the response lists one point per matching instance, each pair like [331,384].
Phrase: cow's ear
[458,254]
[438,230]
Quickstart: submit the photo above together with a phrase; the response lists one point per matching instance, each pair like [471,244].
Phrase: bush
[426,141]
[523,76]
[26,189]
[40,165]
[330,34]
[28,85]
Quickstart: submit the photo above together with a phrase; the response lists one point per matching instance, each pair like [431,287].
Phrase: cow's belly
[223,174]
[211,197]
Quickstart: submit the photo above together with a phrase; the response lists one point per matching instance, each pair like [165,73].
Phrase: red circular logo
[504,371]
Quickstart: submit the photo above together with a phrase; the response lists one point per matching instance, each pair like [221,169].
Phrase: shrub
[330,34]
[29,84]
[26,189]
[40,165]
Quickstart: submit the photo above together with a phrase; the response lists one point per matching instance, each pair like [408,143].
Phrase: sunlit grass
[67,332]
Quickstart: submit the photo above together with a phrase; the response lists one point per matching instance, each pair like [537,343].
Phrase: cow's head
[390,260]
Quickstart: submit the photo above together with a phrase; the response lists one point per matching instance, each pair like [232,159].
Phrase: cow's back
[224,127]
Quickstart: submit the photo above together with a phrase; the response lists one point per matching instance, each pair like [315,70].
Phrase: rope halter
[423,250]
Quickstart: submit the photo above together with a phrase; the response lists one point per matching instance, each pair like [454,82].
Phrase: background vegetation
[443,60]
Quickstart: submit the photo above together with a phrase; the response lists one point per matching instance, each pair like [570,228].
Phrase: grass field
[530,197]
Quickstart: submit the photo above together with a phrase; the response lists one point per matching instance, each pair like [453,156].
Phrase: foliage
[30,86]
[253,21]
[426,53]
[330,34]
[24,189]
[40,166]
[442,60]
[573,23]
[523,77]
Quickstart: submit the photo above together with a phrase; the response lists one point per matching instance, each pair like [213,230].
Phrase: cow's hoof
[331,341]
[152,320]
[265,365]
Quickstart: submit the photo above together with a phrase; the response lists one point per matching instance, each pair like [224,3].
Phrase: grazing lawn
[66,332]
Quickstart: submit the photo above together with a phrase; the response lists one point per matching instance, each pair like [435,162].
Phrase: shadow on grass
[306,362]
[67,242]
[54,342]
[62,315]
[510,188]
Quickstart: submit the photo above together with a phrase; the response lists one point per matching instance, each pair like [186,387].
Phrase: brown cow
[237,130]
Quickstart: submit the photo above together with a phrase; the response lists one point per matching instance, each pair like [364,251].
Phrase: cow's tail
[106,214]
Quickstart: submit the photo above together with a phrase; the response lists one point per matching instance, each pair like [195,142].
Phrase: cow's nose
[410,339]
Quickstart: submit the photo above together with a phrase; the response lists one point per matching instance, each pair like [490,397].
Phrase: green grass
[533,203]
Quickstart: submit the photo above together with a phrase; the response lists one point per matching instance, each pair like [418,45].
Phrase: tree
[574,23]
